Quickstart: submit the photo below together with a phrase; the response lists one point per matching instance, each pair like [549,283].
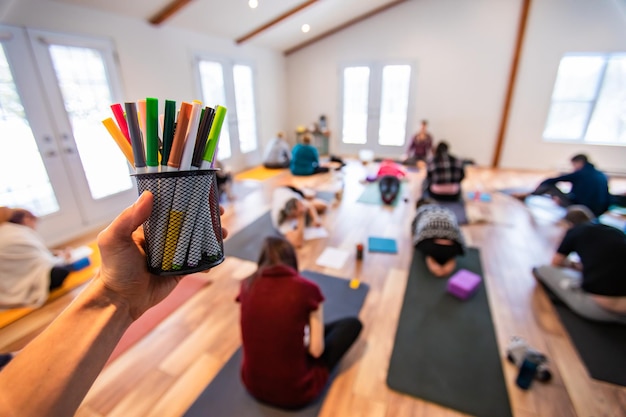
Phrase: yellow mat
[259,173]
[73,280]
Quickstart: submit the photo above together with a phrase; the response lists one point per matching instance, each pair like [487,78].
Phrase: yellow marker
[354,283]
[120,139]
[173,230]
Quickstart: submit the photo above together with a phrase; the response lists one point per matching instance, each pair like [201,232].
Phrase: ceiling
[232,19]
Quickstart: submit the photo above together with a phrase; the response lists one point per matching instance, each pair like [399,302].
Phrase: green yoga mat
[445,349]
[371,194]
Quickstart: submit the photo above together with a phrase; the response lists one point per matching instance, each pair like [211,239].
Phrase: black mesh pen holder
[184,231]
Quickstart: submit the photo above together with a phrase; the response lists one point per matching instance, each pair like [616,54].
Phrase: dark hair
[441,150]
[581,157]
[19,215]
[424,121]
[578,214]
[274,251]
[424,201]
[286,211]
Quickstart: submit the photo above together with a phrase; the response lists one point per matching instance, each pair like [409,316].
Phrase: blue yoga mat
[226,396]
[380,244]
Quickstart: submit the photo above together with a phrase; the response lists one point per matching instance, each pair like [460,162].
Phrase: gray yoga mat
[457,207]
[445,349]
[601,346]
[226,396]
[246,244]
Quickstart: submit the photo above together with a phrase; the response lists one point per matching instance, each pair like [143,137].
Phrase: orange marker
[179,136]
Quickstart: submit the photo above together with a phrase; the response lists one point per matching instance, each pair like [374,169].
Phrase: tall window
[246,114]
[394,104]
[31,189]
[214,93]
[355,102]
[589,100]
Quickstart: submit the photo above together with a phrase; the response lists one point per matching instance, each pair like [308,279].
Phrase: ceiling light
[306,28]
[253,3]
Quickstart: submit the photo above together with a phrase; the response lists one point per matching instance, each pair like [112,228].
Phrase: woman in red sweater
[288,351]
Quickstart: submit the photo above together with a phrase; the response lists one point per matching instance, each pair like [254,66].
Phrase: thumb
[132,217]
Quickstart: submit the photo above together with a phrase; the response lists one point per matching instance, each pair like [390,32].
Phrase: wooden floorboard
[164,372]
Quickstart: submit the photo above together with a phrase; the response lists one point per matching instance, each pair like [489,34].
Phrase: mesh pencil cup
[184,231]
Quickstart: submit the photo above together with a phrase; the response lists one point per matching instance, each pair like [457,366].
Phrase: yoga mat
[259,173]
[445,349]
[246,244]
[601,346]
[226,396]
[457,207]
[185,289]
[73,280]
[371,195]
[379,244]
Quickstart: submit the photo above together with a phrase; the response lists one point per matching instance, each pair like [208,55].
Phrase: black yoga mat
[457,207]
[601,346]
[226,396]
[445,349]
[246,244]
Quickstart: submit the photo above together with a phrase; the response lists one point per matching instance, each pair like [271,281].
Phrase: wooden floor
[164,373]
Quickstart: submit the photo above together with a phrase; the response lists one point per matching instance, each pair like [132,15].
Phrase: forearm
[54,372]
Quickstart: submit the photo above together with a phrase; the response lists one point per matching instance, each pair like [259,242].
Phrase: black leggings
[554,191]
[338,337]
[440,253]
[58,275]
[389,187]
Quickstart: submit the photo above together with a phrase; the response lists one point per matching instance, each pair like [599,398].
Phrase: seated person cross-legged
[305,159]
[437,235]
[28,270]
[444,174]
[595,288]
[292,211]
[278,154]
[288,352]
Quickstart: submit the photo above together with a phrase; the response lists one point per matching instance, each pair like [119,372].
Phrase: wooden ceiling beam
[168,11]
[275,21]
[344,26]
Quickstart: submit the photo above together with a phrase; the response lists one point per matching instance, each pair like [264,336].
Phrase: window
[214,93]
[589,100]
[244,98]
[394,105]
[355,102]
[31,189]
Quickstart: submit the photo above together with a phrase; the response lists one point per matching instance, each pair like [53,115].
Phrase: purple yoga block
[463,284]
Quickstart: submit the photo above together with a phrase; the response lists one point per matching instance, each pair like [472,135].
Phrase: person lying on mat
[437,235]
[595,288]
[444,174]
[389,175]
[52,374]
[305,159]
[288,352]
[590,187]
[28,269]
[293,210]
[278,153]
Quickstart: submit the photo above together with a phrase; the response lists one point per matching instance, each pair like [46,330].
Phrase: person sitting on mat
[288,351]
[444,174]
[420,147]
[278,154]
[54,372]
[437,235]
[589,187]
[28,269]
[305,159]
[293,210]
[595,288]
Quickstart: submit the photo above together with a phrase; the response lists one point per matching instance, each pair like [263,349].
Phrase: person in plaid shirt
[444,175]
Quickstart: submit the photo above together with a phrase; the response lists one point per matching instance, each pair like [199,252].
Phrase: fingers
[132,217]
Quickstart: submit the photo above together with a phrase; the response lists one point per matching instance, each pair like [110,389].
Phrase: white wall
[462,52]
[555,28]
[158,61]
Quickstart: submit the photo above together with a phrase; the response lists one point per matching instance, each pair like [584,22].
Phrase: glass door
[375,106]
[232,85]
[80,83]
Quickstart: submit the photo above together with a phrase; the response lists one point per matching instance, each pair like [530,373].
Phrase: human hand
[124,272]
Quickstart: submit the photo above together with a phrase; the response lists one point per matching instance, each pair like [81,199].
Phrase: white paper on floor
[311,233]
[333,258]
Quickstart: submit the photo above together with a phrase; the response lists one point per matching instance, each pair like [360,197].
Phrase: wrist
[97,296]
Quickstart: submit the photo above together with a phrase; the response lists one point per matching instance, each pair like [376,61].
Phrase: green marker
[214,136]
[169,122]
[152,134]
